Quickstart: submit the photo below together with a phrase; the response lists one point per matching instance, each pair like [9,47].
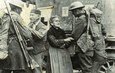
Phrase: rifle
[20,39]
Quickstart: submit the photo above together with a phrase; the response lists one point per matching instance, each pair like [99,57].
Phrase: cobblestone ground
[74,71]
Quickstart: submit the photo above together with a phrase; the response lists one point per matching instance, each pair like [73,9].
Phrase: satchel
[85,42]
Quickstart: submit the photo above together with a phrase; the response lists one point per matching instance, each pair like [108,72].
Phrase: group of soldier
[22,47]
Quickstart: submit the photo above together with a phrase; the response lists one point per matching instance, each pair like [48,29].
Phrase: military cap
[36,11]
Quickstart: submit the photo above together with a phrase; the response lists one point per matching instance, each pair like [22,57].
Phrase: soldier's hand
[68,39]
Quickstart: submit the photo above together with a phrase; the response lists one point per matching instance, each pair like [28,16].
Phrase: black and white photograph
[57,36]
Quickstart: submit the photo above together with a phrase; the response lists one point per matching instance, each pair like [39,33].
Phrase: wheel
[107,67]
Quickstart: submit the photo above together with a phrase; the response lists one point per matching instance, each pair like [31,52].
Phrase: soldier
[82,36]
[15,61]
[39,31]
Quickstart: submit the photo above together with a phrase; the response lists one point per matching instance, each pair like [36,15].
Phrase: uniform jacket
[3,34]
[38,36]
[15,60]
[79,35]
[79,27]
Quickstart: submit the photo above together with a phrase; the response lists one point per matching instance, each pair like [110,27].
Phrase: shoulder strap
[88,25]
[88,22]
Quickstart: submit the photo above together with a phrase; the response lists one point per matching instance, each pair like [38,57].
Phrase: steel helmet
[75,5]
[17,3]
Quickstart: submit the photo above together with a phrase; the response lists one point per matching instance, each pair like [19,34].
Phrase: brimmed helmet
[76,5]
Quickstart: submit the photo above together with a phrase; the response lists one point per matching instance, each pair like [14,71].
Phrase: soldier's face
[77,12]
[56,22]
[34,17]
